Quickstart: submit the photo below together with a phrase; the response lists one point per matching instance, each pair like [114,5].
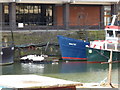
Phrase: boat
[34,59]
[72,49]
[96,51]
[7,54]
[7,50]
[99,50]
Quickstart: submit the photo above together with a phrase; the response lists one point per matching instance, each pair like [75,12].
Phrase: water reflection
[8,69]
[73,67]
[76,71]
[69,67]
[100,67]
[61,67]
[32,68]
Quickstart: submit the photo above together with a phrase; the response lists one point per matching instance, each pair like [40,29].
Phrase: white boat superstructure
[112,38]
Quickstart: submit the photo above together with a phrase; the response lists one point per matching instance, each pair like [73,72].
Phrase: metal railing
[49,26]
[62,1]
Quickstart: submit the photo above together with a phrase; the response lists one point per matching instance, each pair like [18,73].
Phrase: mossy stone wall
[30,37]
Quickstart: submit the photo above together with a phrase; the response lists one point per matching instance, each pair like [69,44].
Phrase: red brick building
[56,14]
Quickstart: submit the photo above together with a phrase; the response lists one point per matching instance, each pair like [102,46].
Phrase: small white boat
[38,58]
[33,58]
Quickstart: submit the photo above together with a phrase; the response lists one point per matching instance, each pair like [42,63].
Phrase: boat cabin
[112,38]
[112,33]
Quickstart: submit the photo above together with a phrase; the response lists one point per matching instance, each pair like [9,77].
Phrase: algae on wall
[96,35]
[23,38]
[51,36]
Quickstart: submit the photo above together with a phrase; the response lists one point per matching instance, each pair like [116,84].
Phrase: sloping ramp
[33,81]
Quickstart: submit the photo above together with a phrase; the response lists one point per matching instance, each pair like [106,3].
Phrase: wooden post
[110,68]
[19,50]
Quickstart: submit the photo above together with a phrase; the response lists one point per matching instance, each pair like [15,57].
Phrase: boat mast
[113,20]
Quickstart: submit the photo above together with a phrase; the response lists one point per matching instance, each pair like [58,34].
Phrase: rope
[101,54]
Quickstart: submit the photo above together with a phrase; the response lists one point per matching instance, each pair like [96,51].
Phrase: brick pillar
[43,14]
[119,12]
[102,17]
[114,9]
[12,16]
[66,15]
[54,16]
[1,16]
[1,13]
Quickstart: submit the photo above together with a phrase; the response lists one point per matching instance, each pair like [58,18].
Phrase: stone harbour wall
[37,37]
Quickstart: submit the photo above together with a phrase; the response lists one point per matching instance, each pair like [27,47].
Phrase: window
[36,9]
[30,9]
[117,34]
[34,14]
[110,33]
[6,11]
[26,10]
[107,15]
[111,46]
[118,47]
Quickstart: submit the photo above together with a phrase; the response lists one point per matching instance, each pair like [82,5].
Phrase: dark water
[75,71]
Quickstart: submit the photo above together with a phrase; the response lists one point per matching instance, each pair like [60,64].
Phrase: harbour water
[75,71]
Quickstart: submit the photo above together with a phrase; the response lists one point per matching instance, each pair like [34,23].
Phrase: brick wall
[80,15]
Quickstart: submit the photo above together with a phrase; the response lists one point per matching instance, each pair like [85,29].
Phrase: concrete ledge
[33,81]
[36,81]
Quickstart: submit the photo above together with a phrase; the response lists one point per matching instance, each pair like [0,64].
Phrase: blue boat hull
[72,49]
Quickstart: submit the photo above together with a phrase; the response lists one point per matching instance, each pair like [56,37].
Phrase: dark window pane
[34,14]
